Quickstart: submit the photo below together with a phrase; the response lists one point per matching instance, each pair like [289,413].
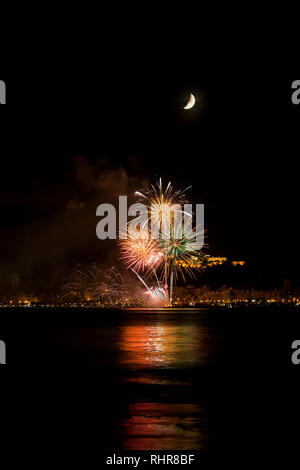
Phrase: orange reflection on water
[164,345]
[162,426]
[165,356]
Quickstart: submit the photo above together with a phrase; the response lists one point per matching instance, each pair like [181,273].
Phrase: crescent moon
[191,102]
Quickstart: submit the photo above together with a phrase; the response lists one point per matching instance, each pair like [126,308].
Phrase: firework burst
[93,283]
[139,251]
[164,204]
[171,247]
[181,249]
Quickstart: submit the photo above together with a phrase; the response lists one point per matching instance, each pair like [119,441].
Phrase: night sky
[70,142]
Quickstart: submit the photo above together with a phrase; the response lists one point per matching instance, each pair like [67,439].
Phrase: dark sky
[71,141]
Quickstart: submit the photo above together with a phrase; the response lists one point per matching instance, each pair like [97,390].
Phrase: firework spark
[159,293]
[156,293]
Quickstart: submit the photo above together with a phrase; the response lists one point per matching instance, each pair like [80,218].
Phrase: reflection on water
[165,355]
[155,369]
[164,346]
[152,426]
